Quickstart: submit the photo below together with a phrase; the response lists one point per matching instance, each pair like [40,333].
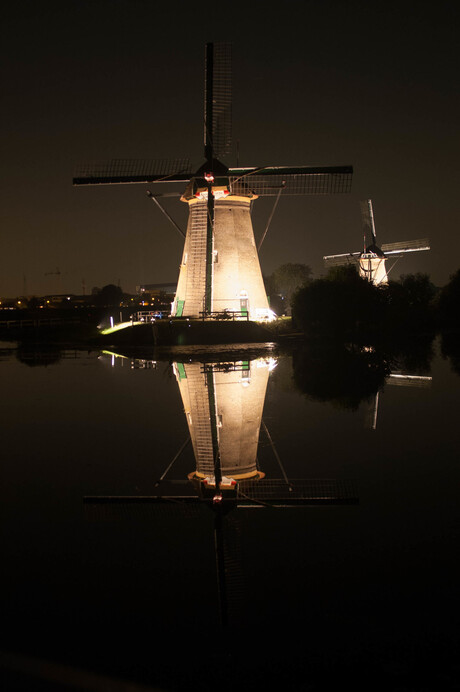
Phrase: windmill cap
[375,250]
[214,166]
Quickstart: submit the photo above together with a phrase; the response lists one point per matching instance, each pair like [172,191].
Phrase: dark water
[319,597]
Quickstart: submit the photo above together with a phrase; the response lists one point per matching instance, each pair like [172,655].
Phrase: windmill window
[245,377]
[216,256]
[185,259]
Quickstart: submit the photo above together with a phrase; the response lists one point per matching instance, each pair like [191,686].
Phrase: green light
[118,327]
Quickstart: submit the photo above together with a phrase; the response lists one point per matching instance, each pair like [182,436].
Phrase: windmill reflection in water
[223,402]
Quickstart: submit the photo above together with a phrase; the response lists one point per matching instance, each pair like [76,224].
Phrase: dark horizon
[318,85]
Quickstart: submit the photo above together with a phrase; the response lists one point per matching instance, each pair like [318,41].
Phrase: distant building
[156,289]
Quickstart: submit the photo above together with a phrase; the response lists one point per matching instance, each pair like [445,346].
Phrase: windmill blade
[406,246]
[367,215]
[403,380]
[106,508]
[295,180]
[133,171]
[298,493]
[340,260]
[218,100]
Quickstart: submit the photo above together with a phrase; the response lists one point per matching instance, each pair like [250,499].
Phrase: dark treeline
[347,307]
[357,333]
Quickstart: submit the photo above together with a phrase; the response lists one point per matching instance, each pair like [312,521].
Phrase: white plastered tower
[372,267]
[229,259]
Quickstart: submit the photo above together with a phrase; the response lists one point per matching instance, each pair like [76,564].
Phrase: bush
[342,305]
[449,303]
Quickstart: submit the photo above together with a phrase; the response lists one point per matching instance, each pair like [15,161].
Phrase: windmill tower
[220,271]
[372,260]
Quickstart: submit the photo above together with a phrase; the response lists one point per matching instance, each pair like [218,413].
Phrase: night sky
[369,84]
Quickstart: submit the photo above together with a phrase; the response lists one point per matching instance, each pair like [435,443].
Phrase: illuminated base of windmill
[226,482]
[372,267]
[236,278]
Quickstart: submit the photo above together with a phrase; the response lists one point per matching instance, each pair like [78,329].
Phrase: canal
[336,563]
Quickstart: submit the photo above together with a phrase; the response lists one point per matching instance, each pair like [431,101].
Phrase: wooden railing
[225,315]
[14,324]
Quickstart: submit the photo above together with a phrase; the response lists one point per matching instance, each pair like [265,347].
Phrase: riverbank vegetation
[355,334]
[346,307]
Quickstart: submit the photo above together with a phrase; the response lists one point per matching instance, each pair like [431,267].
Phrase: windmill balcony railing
[149,315]
[224,315]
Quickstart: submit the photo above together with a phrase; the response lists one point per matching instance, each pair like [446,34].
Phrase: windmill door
[180,308]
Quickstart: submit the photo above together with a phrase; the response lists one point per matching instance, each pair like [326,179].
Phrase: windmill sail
[400,379]
[133,171]
[406,246]
[218,100]
[340,260]
[367,214]
[295,180]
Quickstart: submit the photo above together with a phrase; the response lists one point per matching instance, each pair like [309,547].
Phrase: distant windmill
[220,270]
[372,260]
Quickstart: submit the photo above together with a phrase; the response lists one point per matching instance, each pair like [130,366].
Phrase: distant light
[272,363]
[264,314]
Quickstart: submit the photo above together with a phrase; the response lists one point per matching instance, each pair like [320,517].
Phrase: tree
[450,348]
[343,306]
[109,295]
[449,303]
[331,372]
[410,303]
[288,278]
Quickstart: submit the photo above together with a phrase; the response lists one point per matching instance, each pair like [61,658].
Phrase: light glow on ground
[118,327]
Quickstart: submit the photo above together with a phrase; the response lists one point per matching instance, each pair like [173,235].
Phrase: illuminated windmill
[220,271]
[372,260]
